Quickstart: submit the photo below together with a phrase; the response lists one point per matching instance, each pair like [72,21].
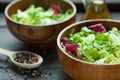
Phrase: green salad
[94,44]
[40,16]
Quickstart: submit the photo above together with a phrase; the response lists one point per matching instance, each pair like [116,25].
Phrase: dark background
[113,5]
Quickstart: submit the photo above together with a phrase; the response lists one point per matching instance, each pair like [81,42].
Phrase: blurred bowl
[81,70]
[38,37]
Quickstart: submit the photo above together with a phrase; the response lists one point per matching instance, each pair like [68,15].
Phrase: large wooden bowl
[81,70]
[38,37]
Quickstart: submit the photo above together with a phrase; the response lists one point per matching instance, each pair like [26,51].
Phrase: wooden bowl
[38,37]
[81,70]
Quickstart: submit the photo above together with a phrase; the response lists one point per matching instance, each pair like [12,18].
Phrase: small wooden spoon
[12,55]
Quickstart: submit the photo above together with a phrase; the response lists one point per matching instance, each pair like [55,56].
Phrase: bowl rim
[66,1]
[77,23]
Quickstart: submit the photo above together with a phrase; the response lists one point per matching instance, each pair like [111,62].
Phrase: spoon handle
[6,52]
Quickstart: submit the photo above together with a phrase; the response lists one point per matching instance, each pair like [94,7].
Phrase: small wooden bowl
[38,37]
[81,70]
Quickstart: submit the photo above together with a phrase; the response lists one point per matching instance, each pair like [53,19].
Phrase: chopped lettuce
[97,47]
[39,16]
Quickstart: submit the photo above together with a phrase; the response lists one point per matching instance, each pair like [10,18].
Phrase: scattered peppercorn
[5,68]
[6,60]
[31,72]
[50,74]
[25,77]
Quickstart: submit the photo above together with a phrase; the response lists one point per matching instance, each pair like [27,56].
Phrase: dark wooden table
[50,69]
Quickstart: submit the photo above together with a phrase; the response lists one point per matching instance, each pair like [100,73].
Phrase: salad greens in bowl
[94,44]
[90,50]
[38,22]
[39,16]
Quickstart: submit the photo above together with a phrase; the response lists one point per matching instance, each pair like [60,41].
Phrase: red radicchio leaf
[64,41]
[97,28]
[56,9]
[72,48]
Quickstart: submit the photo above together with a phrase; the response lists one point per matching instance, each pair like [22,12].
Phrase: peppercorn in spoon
[23,59]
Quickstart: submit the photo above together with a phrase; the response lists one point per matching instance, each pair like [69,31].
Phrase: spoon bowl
[12,56]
